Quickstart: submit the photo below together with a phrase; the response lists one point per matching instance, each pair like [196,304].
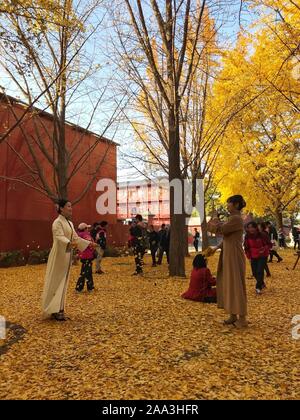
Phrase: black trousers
[161,253]
[86,274]
[272,254]
[138,253]
[258,266]
[297,242]
[153,255]
[267,268]
[210,299]
[196,245]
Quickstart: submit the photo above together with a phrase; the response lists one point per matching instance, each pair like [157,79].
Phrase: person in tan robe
[231,274]
[65,239]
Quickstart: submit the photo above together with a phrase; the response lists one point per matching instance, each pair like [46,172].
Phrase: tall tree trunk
[186,242]
[204,232]
[279,218]
[177,248]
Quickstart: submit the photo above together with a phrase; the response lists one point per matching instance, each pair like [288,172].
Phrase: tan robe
[59,263]
[231,275]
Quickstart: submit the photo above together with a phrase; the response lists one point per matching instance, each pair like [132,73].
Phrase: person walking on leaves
[101,241]
[231,274]
[196,239]
[164,243]
[65,239]
[273,235]
[154,241]
[138,232]
[86,257]
[257,248]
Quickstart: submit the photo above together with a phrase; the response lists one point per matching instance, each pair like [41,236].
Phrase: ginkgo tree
[260,157]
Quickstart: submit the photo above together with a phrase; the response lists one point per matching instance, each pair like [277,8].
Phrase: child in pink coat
[86,258]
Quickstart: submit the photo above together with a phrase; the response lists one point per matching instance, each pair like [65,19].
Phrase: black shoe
[279,260]
[137,273]
[60,316]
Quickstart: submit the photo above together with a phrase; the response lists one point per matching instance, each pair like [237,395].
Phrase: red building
[25,213]
[149,199]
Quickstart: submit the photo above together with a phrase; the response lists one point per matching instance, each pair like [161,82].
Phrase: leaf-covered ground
[135,338]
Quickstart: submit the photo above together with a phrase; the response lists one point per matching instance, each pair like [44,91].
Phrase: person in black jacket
[138,232]
[196,239]
[154,242]
[273,235]
[296,237]
[164,243]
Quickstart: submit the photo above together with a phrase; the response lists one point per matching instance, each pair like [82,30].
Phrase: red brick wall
[26,215]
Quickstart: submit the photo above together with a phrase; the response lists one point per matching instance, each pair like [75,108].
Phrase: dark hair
[60,204]
[139,217]
[254,224]
[199,261]
[237,199]
[263,225]
[103,224]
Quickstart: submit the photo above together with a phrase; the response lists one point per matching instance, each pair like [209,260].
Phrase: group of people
[142,239]
[228,289]
[258,242]
[260,247]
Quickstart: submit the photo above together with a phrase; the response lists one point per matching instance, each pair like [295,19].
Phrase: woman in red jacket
[201,283]
[257,247]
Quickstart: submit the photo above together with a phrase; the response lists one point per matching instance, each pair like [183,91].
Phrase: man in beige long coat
[231,276]
[65,239]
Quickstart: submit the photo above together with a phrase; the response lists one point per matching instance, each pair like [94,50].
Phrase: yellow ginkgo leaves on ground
[136,338]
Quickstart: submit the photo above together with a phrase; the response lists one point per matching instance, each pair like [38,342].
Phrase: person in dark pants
[296,237]
[263,229]
[281,237]
[164,243]
[257,248]
[137,232]
[196,239]
[101,240]
[274,238]
[86,258]
[154,241]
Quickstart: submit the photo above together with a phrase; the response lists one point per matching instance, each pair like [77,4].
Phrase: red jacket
[88,253]
[257,246]
[201,283]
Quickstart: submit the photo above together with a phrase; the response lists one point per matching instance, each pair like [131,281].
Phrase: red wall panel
[26,215]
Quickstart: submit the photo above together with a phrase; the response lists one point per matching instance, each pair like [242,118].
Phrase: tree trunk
[178,231]
[186,235]
[204,232]
[279,218]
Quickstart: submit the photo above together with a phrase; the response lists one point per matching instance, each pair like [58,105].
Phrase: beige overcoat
[231,274]
[58,266]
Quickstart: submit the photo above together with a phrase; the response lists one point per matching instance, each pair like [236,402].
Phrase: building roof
[10,99]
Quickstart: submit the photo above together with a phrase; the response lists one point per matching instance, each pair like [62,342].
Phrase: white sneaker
[258,291]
